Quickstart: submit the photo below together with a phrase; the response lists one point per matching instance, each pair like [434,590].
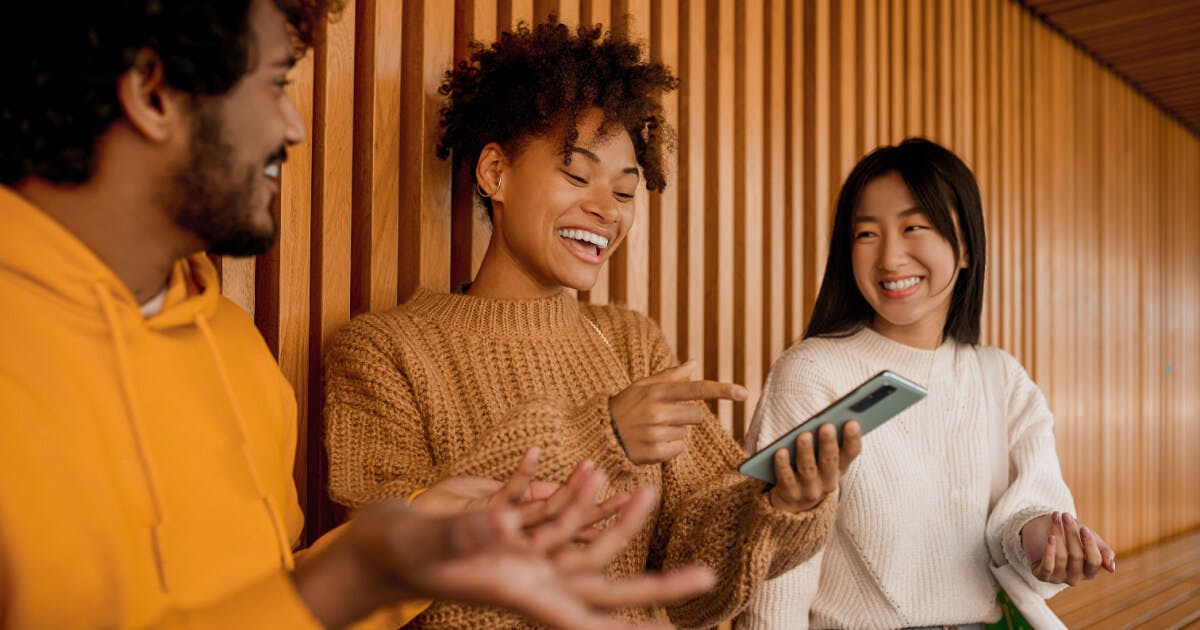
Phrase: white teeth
[272,171]
[585,236]
[900,285]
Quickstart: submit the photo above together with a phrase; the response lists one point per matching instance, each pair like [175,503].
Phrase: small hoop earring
[479,191]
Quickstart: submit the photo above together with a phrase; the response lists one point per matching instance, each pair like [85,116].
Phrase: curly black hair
[533,81]
[61,61]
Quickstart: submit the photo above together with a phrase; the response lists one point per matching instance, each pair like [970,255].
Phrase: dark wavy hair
[61,60]
[944,187]
[532,81]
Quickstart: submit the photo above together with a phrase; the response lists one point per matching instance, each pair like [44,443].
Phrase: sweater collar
[509,317]
[914,363]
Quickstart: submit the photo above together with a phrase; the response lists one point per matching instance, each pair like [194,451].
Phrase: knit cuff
[1014,551]
[592,422]
[795,537]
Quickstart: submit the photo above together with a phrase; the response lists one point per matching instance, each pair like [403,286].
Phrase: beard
[212,200]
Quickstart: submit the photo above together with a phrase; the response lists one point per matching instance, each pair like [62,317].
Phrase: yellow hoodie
[145,463]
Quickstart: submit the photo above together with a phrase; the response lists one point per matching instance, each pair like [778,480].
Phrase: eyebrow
[596,158]
[863,218]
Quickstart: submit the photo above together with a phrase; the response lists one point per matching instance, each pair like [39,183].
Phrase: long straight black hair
[943,186]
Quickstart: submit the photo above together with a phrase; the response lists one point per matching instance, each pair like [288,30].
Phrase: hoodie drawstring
[284,546]
[135,429]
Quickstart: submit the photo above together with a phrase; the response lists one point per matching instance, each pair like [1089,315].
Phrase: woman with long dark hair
[964,479]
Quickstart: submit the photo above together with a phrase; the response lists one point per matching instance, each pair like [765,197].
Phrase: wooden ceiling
[1154,44]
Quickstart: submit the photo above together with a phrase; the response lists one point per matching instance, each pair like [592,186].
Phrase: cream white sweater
[910,543]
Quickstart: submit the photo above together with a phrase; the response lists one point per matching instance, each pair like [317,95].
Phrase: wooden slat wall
[1092,199]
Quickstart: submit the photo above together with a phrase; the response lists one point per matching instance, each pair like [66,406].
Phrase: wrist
[342,582]
[612,422]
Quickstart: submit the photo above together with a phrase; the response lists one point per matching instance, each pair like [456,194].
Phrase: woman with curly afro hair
[561,128]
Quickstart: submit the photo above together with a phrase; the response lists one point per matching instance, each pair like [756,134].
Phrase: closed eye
[624,197]
[861,234]
[575,179]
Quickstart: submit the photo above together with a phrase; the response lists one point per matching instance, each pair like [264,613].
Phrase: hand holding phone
[801,488]
[871,404]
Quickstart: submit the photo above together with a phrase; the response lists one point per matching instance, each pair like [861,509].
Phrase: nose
[294,131]
[603,207]
[893,253]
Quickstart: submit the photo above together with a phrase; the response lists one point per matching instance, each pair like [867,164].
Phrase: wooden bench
[1157,587]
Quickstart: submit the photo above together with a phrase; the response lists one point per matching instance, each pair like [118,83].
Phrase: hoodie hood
[71,271]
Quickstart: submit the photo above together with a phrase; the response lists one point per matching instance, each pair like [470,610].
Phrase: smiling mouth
[900,285]
[899,289]
[585,244]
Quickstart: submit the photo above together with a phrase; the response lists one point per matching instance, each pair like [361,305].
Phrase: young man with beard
[146,435]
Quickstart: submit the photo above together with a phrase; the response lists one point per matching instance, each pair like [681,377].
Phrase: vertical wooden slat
[375,237]
[946,85]
[719,200]
[897,78]
[693,114]
[470,229]
[288,264]
[424,218]
[797,156]
[775,202]
[749,186]
[868,77]
[816,208]
[664,250]
[914,79]
[332,193]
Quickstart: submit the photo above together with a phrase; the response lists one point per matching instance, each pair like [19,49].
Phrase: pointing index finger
[700,390]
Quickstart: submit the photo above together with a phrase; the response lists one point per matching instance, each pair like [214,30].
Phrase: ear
[489,171]
[150,105]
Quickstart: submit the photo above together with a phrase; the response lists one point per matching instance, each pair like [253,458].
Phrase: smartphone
[872,403]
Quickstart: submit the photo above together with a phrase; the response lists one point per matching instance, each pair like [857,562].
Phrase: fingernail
[740,393]
[1051,540]
[1056,518]
[1114,566]
[1084,534]
[1068,519]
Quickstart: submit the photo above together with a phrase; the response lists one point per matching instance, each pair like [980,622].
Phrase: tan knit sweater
[456,384]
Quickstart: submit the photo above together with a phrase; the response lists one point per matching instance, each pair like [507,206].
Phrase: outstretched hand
[526,561]
[533,500]
[1063,550]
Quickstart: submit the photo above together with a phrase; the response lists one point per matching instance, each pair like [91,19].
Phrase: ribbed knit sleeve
[1036,485]
[376,431]
[373,430]
[713,515]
